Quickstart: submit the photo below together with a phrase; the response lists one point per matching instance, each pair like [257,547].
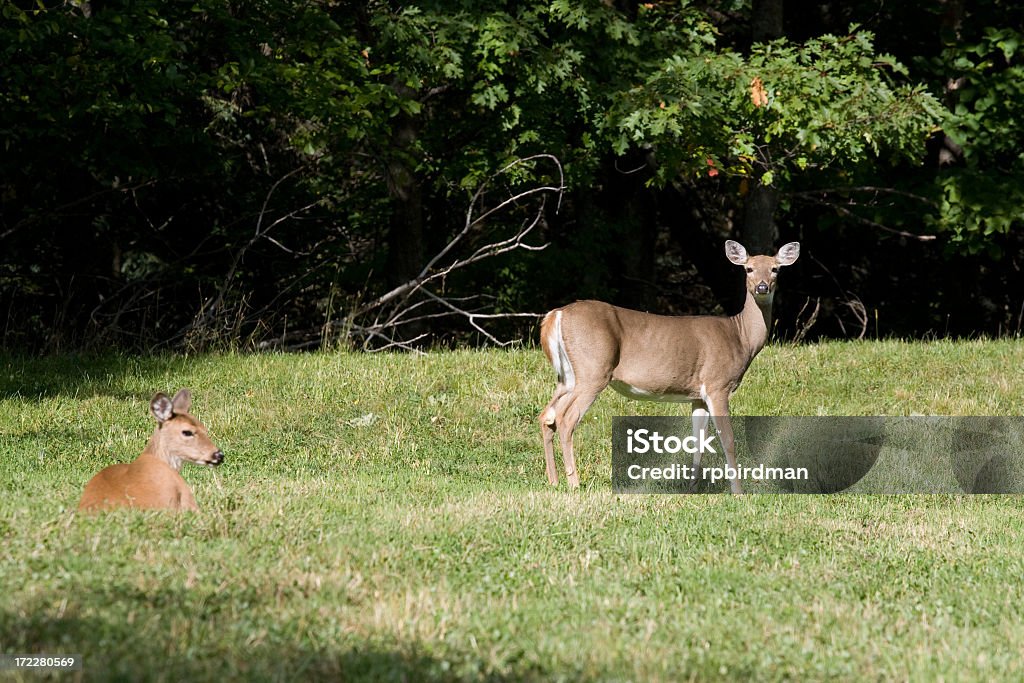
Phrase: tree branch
[392,309]
[809,197]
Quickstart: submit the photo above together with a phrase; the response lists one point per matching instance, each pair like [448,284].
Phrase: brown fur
[152,481]
[696,359]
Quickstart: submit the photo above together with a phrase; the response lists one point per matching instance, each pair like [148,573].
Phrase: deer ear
[735,252]
[788,254]
[161,408]
[182,401]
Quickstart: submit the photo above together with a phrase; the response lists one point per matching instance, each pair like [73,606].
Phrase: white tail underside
[560,359]
[626,350]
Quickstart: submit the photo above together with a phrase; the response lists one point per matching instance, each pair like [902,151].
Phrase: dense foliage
[218,173]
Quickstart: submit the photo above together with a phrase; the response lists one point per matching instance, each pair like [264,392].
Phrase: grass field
[386,517]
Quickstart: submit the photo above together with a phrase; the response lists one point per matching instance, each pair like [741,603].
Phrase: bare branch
[412,301]
[860,312]
[428,273]
[56,211]
[395,319]
[211,309]
[864,188]
[805,327]
[860,219]
[404,345]
[469,316]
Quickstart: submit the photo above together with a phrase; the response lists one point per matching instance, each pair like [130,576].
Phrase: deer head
[179,437]
[762,270]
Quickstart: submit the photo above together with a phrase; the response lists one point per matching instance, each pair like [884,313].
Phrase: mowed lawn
[387,517]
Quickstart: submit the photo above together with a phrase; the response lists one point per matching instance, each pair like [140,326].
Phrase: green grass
[386,517]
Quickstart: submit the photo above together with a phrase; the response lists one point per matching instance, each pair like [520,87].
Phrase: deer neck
[753,324]
[155,449]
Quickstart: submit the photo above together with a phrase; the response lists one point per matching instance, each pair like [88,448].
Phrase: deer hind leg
[548,424]
[568,413]
[723,425]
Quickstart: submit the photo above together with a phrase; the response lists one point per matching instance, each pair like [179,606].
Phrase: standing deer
[152,481]
[695,359]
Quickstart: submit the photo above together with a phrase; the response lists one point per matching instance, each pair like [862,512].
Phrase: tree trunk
[943,150]
[686,220]
[759,231]
[766,20]
[406,254]
[406,249]
[629,206]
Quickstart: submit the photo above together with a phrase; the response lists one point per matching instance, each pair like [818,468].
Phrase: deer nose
[217,457]
[762,287]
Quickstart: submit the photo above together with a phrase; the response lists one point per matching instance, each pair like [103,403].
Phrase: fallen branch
[414,302]
[429,273]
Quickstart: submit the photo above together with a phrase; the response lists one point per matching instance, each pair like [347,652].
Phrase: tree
[782,114]
[242,172]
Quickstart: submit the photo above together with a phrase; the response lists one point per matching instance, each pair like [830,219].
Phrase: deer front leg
[719,406]
[699,417]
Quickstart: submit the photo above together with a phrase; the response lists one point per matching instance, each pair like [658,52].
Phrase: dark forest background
[285,174]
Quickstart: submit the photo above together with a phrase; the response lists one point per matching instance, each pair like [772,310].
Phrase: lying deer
[694,359]
[152,481]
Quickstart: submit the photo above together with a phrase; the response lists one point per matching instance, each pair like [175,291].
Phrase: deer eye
[749,269]
[775,270]
[187,432]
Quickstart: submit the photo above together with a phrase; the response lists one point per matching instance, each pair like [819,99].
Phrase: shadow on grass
[118,651]
[79,376]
